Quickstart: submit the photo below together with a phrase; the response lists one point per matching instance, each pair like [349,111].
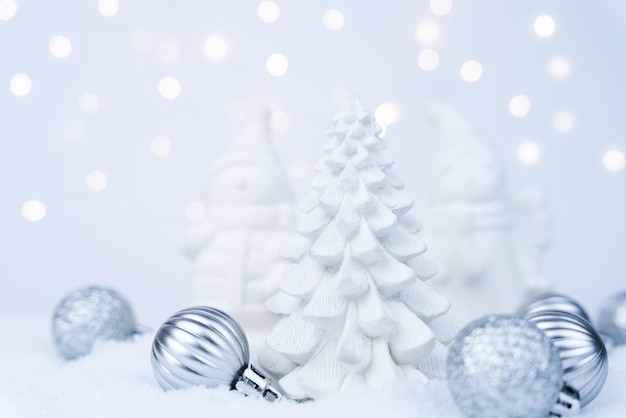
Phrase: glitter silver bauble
[582,352]
[612,319]
[90,314]
[503,366]
[205,346]
[552,301]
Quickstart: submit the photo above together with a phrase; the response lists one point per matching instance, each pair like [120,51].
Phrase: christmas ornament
[503,366]
[357,313]
[204,346]
[90,314]
[612,319]
[551,301]
[582,352]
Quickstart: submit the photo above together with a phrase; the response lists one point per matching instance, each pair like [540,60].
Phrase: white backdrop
[99,108]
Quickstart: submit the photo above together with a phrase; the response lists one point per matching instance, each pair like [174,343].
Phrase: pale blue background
[127,236]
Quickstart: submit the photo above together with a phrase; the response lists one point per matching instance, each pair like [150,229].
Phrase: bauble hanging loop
[89,314]
[203,346]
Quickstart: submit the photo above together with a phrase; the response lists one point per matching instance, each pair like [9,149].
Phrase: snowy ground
[116,380]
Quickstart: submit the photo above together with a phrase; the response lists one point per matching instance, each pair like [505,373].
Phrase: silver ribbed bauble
[552,301]
[582,352]
[612,319]
[89,314]
[503,366]
[203,346]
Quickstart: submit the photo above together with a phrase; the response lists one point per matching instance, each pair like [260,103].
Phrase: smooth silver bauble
[551,301]
[203,346]
[612,319]
[503,366]
[582,352]
[90,314]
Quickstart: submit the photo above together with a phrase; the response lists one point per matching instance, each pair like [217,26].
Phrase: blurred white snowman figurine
[250,215]
[487,246]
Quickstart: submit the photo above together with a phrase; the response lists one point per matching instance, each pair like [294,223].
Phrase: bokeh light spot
[21,85]
[96,181]
[277,65]
[614,161]
[33,210]
[169,87]
[519,105]
[215,48]
[8,8]
[387,113]
[529,152]
[88,103]
[60,47]
[559,67]
[268,11]
[108,8]
[427,32]
[440,7]
[161,146]
[333,20]
[544,26]
[471,71]
[428,59]
[563,121]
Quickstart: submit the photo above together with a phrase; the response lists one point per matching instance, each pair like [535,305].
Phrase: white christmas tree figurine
[357,313]
[487,246]
[250,215]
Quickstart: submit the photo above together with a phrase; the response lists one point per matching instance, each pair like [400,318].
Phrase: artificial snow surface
[116,380]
